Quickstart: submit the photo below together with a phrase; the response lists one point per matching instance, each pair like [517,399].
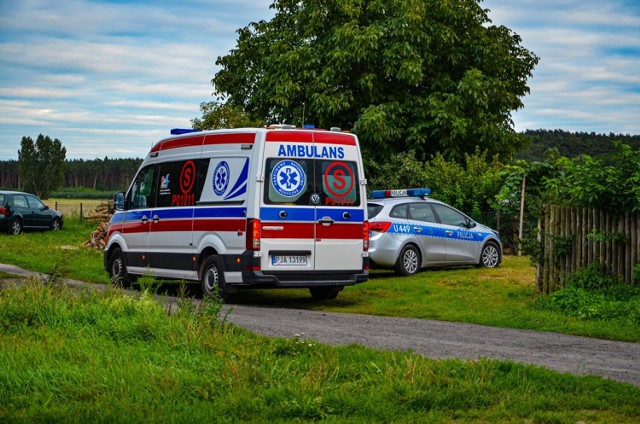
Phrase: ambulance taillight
[253,234]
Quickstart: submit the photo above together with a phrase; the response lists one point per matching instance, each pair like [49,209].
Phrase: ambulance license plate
[287,260]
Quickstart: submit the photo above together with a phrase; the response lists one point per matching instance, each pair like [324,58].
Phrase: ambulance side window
[141,193]
[180,183]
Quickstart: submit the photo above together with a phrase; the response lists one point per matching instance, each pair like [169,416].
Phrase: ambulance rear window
[312,182]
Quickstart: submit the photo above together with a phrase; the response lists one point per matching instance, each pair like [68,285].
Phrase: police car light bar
[411,192]
[178,131]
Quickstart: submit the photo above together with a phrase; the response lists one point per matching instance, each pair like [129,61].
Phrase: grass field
[80,356]
[72,207]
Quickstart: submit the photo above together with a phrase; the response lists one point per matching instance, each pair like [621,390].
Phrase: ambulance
[245,208]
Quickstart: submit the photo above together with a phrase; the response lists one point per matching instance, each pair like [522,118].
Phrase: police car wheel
[408,262]
[212,278]
[118,270]
[490,256]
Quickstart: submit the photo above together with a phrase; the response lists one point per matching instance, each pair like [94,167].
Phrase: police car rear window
[373,209]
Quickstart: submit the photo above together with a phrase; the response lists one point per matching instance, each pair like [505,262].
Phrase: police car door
[461,245]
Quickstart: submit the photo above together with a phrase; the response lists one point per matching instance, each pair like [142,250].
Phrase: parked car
[22,211]
[410,231]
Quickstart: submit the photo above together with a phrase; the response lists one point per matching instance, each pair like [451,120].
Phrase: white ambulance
[259,207]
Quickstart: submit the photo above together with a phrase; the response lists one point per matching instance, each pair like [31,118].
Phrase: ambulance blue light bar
[411,192]
[178,131]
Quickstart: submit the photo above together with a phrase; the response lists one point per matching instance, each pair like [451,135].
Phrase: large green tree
[41,164]
[428,75]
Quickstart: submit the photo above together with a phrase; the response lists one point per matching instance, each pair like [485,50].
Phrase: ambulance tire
[408,262]
[118,270]
[324,293]
[212,278]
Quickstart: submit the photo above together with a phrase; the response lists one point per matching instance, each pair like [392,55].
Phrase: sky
[111,77]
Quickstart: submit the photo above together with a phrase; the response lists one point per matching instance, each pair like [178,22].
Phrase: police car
[409,231]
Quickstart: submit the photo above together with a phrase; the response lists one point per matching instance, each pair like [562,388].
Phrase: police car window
[399,211]
[450,216]
[373,210]
[288,181]
[421,212]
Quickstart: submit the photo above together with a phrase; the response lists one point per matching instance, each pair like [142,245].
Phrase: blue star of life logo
[221,178]
[288,178]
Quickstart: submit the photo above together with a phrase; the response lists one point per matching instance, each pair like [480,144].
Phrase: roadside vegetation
[88,355]
[499,297]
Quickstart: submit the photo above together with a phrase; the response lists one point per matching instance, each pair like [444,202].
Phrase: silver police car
[409,231]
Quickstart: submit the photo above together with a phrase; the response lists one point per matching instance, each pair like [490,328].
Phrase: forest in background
[116,174]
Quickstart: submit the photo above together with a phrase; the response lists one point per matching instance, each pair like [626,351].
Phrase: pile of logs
[102,215]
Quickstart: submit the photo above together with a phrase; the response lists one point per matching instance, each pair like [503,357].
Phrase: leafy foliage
[41,164]
[433,76]
[217,115]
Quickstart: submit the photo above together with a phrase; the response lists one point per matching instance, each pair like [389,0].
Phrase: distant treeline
[572,145]
[97,174]
[116,174]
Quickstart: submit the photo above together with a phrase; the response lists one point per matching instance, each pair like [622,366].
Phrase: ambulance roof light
[411,192]
[281,127]
[178,131]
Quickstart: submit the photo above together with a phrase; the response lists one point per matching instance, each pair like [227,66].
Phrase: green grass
[86,356]
[500,297]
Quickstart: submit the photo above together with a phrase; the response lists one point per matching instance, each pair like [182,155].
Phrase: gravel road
[437,339]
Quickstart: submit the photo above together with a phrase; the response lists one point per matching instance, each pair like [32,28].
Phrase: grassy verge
[501,297]
[85,356]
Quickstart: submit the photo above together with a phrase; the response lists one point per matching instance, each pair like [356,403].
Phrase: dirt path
[438,339]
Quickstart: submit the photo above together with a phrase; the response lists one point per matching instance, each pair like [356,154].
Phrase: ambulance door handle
[326,220]
[144,219]
[283,214]
[346,215]
[155,219]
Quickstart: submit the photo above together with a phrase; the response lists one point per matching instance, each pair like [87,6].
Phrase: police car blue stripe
[438,232]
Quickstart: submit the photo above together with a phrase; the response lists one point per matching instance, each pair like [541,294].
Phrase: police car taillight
[411,192]
[380,226]
[253,234]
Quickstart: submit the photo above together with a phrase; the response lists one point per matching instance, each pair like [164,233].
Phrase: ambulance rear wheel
[408,262]
[212,278]
[324,293]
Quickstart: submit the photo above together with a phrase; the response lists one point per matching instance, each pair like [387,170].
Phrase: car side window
[450,216]
[421,212]
[142,189]
[35,203]
[20,201]
[399,211]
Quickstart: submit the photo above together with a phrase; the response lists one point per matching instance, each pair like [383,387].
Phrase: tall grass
[100,356]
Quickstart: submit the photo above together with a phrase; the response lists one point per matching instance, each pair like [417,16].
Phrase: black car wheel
[15,227]
[56,224]
[490,255]
[212,278]
[408,262]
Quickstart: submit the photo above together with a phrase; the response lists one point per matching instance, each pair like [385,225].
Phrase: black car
[23,211]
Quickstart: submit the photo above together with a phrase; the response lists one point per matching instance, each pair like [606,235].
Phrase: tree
[428,75]
[217,115]
[41,165]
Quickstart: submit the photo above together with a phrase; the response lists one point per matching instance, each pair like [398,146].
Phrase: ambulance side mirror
[118,201]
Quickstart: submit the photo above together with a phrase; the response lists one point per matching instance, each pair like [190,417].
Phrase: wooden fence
[573,238]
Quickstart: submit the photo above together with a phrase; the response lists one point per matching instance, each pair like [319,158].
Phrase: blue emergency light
[178,131]
[411,192]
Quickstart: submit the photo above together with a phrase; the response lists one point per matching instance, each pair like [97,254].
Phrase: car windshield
[373,209]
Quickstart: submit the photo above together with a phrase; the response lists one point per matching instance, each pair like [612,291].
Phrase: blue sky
[109,78]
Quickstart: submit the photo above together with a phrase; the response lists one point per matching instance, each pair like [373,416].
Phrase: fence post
[81,214]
